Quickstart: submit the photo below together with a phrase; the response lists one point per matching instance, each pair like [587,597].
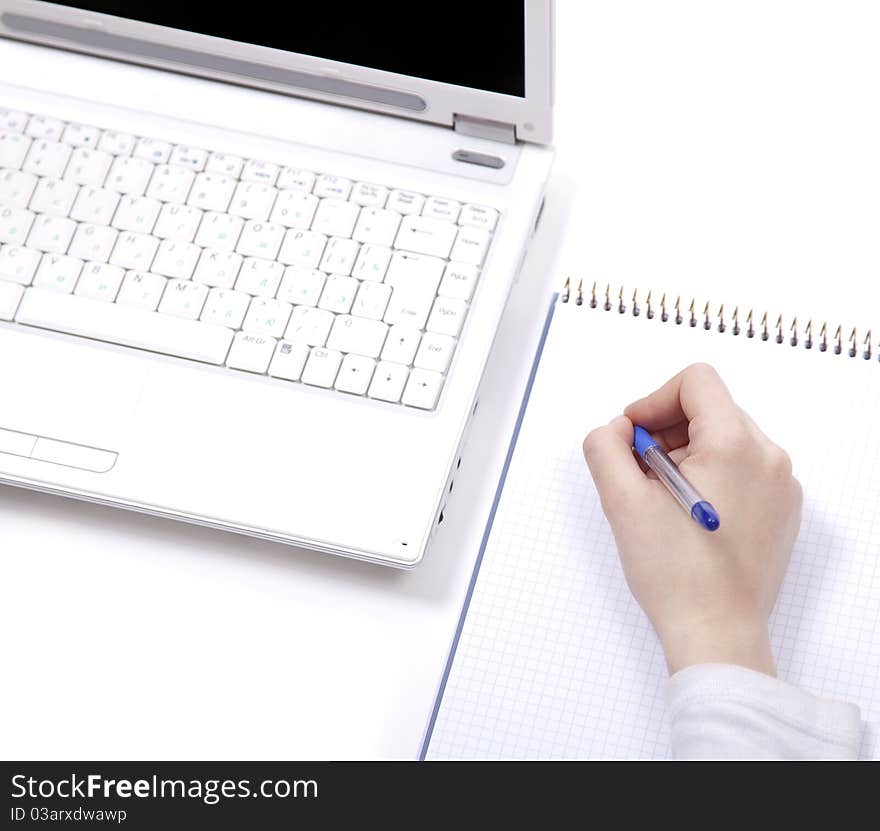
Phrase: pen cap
[642,441]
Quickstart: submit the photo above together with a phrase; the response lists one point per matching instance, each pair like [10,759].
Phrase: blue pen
[678,486]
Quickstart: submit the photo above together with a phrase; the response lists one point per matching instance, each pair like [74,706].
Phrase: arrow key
[423,389]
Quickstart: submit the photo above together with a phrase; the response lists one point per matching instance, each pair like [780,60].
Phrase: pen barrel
[669,475]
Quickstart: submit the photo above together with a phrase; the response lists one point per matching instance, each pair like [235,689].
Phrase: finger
[695,392]
[678,455]
[608,451]
[670,438]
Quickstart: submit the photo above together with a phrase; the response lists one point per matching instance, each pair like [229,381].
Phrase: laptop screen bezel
[302,75]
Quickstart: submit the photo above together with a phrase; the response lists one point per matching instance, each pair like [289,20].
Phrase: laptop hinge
[485,129]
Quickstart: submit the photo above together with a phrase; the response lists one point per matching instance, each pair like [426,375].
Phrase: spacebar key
[129,327]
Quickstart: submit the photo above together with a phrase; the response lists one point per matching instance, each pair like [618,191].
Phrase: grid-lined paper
[556,660]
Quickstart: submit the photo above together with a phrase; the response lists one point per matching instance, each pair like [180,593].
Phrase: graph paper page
[555,659]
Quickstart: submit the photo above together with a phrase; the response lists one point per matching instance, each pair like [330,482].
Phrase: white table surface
[727,151]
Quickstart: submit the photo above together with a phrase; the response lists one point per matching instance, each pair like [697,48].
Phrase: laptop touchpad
[66,391]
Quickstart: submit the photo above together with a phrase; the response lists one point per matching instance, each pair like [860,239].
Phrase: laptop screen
[480,45]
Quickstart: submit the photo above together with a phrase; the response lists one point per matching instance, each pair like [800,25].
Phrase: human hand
[708,595]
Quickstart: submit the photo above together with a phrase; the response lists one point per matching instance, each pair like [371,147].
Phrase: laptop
[251,273]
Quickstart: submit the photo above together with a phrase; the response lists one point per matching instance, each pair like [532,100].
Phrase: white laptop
[251,268]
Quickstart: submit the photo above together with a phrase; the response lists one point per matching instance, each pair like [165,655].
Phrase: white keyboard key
[372,196]
[435,352]
[426,236]
[10,297]
[13,120]
[178,223]
[260,239]
[190,157]
[152,150]
[267,317]
[372,263]
[81,135]
[219,231]
[377,226]
[264,172]
[301,286]
[405,202]
[302,248]
[47,158]
[15,224]
[334,187]
[355,374]
[137,213]
[423,389]
[170,184]
[117,144]
[134,252]
[415,270]
[447,316]
[58,273]
[183,298]
[88,167]
[17,264]
[470,246]
[251,353]
[442,209]
[16,188]
[293,178]
[335,218]
[388,382]
[13,149]
[141,290]
[289,360]
[54,196]
[128,327]
[409,306]
[372,300]
[322,367]
[51,234]
[212,192]
[253,200]
[338,294]
[358,335]
[99,281]
[224,165]
[339,256]
[176,259]
[309,326]
[259,277]
[294,209]
[225,307]
[401,344]
[43,127]
[217,268]
[129,176]
[459,281]
[478,216]
[93,242]
[95,205]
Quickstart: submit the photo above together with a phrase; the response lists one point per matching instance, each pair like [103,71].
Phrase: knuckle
[702,369]
[778,460]
[592,441]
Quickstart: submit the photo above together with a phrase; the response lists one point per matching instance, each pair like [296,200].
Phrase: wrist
[742,644]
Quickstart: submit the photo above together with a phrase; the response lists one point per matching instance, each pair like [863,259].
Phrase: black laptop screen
[480,45]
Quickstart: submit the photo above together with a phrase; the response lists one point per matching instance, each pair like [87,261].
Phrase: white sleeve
[720,711]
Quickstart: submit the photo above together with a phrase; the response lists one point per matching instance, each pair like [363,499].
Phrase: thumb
[618,477]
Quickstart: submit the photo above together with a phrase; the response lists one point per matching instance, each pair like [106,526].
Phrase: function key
[292,178]
[191,157]
[225,164]
[153,150]
[13,120]
[372,196]
[436,208]
[41,127]
[332,186]
[81,135]
[117,144]
[264,172]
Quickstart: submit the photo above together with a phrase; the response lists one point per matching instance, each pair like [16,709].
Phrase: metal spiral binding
[851,347]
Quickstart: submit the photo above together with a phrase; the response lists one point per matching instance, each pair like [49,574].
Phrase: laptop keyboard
[299,275]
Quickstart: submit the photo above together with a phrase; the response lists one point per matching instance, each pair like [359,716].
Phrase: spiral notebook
[553,658]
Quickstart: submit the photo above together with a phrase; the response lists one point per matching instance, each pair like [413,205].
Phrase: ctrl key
[10,297]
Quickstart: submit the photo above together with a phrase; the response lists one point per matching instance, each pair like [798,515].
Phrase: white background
[723,150]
